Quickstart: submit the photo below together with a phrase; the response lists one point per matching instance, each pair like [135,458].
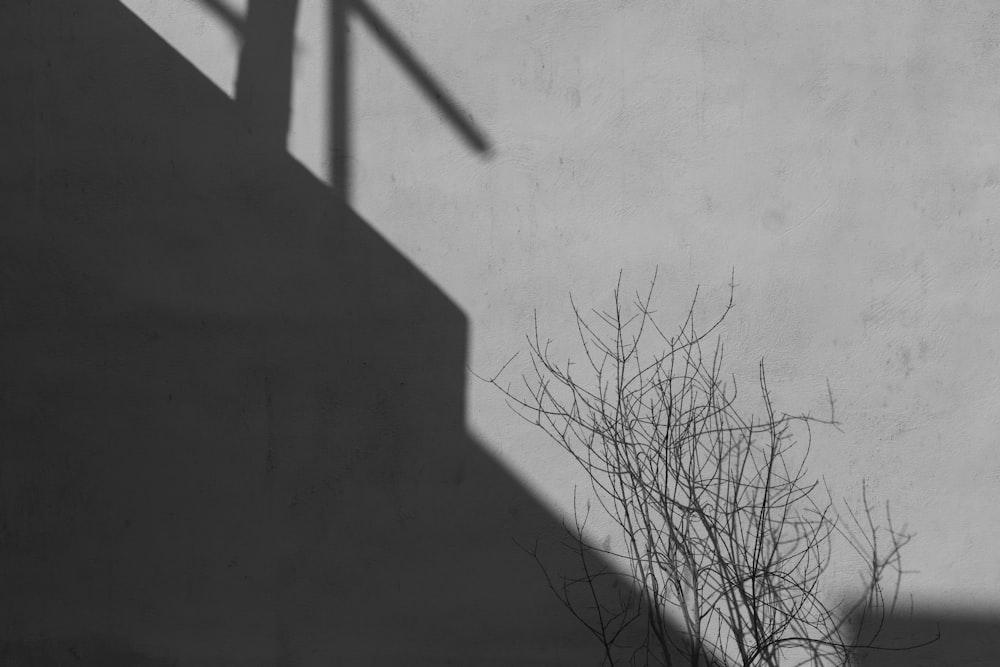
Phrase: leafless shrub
[719,522]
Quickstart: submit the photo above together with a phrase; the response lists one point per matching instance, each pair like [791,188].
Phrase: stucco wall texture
[841,159]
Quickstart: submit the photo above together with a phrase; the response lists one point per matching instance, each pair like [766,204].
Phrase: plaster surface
[840,158]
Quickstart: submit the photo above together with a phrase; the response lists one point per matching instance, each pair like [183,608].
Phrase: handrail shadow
[232,416]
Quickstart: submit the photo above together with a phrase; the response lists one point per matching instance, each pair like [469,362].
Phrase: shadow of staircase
[231,415]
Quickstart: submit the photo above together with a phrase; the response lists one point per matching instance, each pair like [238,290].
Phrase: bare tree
[719,524]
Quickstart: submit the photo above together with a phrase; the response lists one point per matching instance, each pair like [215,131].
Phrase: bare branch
[718,521]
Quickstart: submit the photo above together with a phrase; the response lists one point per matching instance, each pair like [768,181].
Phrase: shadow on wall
[966,640]
[232,416]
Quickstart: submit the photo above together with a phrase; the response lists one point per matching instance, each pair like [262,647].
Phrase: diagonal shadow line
[224,13]
[472,135]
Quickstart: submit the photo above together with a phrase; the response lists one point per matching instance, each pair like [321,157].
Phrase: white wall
[841,157]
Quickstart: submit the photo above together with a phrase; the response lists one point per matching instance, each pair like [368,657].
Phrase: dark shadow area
[966,640]
[339,100]
[264,80]
[231,415]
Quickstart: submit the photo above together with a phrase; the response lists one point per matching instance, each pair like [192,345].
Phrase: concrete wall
[840,158]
